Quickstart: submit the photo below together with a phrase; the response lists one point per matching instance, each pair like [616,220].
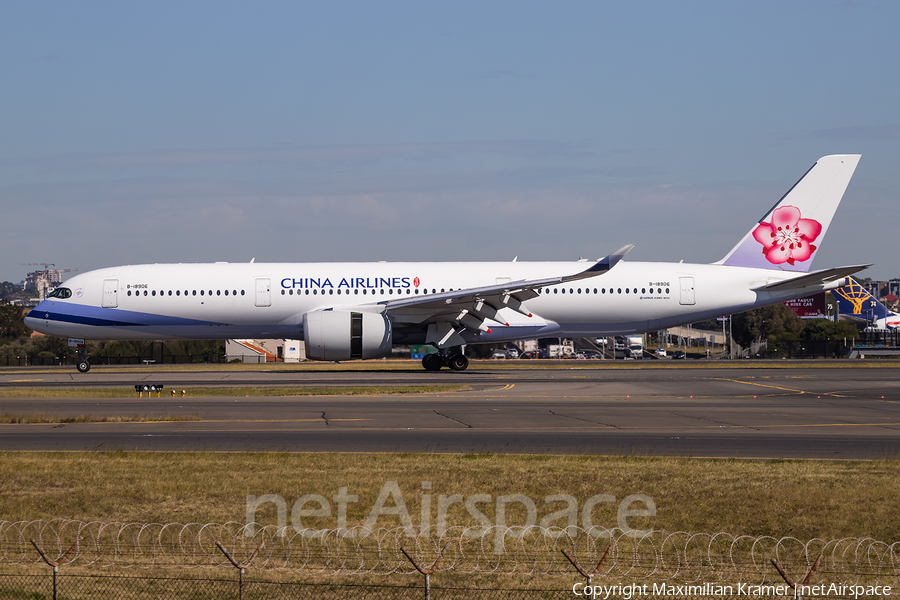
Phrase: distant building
[41,283]
[263,351]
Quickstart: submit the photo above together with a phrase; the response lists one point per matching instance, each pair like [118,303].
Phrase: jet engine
[344,335]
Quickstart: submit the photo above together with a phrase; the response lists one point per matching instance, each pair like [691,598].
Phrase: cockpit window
[60,293]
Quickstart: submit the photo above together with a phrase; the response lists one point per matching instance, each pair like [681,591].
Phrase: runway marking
[319,420]
[22,380]
[667,430]
[779,388]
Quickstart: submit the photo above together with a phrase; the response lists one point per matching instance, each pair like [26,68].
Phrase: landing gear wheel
[458,362]
[83,365]
[432,362]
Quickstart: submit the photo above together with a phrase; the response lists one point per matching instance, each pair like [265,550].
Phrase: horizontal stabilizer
[816,278]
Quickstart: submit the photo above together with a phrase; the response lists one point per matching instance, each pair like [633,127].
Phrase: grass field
[804,499]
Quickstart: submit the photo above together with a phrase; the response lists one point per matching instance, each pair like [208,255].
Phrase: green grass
[14,419]
[198,392]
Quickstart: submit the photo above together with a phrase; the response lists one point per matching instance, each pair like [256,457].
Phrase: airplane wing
[447,313]
[814,279]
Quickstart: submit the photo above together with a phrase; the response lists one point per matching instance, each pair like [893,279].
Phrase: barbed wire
[658,556]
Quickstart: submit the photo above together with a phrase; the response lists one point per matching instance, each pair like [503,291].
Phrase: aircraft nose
[34,318]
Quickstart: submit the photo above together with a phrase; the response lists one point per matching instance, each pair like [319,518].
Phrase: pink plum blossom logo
[787,238]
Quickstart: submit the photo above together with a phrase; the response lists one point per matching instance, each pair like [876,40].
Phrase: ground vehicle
[635,346]
[512,352]
[660,353]
[499,354]
[531,354]
[678,355]
[592,354]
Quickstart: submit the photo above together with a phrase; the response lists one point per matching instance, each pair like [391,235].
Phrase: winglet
[601,266]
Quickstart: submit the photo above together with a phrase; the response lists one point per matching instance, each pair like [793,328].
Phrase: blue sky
[205,131]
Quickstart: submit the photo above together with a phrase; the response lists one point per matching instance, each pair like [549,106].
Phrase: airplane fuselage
[268,300]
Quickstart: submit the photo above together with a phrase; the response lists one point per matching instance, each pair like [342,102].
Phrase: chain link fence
[236,560]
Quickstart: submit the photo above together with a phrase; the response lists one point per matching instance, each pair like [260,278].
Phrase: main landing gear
[456,361]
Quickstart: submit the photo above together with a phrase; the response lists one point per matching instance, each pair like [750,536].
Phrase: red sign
[809,307]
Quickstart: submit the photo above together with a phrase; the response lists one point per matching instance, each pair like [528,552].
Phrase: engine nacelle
[344,335]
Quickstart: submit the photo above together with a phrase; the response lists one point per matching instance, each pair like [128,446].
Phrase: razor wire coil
[659,556]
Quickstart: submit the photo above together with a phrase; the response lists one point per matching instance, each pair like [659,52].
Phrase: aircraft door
[687,290]
[110,293]
[263,292]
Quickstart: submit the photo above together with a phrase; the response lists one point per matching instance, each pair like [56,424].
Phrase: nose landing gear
[82,364]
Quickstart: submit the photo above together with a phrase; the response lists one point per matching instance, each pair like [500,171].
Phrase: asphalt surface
[841,412]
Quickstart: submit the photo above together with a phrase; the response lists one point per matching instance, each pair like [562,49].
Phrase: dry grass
[778,498]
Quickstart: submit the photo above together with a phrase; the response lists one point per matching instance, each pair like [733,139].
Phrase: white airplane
[346,311]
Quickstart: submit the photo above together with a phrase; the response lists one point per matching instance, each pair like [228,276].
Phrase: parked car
[531,354]
[660,353]
[512,352]
[499,354]
[592,354]
[678,355]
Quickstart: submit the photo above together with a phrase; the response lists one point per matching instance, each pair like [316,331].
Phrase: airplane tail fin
[856,303]
[789,235]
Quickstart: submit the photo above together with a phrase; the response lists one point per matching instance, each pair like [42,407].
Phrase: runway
[817,413]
